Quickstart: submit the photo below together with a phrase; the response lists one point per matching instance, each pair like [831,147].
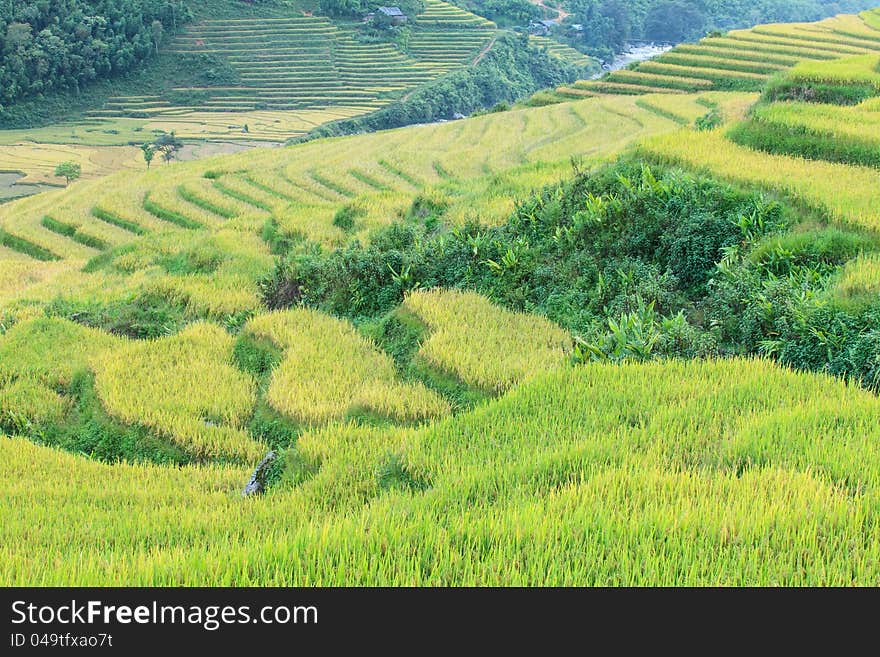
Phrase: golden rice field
[38,161]
[845,192]
[330,371]
[483,345]
[674,472]
[747,473]
[302,188]
[745,60]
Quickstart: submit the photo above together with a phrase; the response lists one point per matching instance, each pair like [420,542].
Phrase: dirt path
[483,52]
[561,14]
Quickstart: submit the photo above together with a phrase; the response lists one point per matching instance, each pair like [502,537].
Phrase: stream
[635,53]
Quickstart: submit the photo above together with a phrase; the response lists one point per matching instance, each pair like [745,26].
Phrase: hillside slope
[487,352]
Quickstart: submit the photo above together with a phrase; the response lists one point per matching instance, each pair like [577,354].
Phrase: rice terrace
[457,301]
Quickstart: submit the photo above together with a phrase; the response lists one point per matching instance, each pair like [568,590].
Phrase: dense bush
[600,246]
[54,45]
[506,12]
[637,262]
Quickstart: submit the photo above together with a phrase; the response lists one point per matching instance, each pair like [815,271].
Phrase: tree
[156,32]
[167,144]
[149,151]
[674,21]
[69,171]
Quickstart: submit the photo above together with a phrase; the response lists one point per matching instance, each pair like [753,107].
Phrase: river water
[635,53]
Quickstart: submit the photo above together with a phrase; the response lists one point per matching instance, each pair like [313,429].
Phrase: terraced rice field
[562,51]
[297,72]
[303,187]
[38,161]
[675,472]
[538,473]
[744,60]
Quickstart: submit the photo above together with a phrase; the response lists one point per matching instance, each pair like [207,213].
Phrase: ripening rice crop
[854,122]
[183,387]
[484,345]
[733,472]
[849,70]
[50,350]
[871,18]
[18,272]
[859,280]
[26,401]
[716,75]
[330,371]
[847,193]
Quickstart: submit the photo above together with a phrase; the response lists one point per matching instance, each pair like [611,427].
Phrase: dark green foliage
[673,21]
[345,217]
[709,121]
[507,13]
[789,318]
[26,247]
[356,8]
[139,317]
[637,262]
[610,24]
[822,249]
[593,248]
[280,242]
[64,44]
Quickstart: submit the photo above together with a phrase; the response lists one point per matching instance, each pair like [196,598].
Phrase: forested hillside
[609,24]
[51,45]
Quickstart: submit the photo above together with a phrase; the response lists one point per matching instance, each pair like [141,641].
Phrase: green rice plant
[659,81]
[814,131]
[732,472]
[849,71]
[721,63]
[200,401]
[845,193]
[26,402]
[331,372]
[721,79]
[484,345]
[50,350]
